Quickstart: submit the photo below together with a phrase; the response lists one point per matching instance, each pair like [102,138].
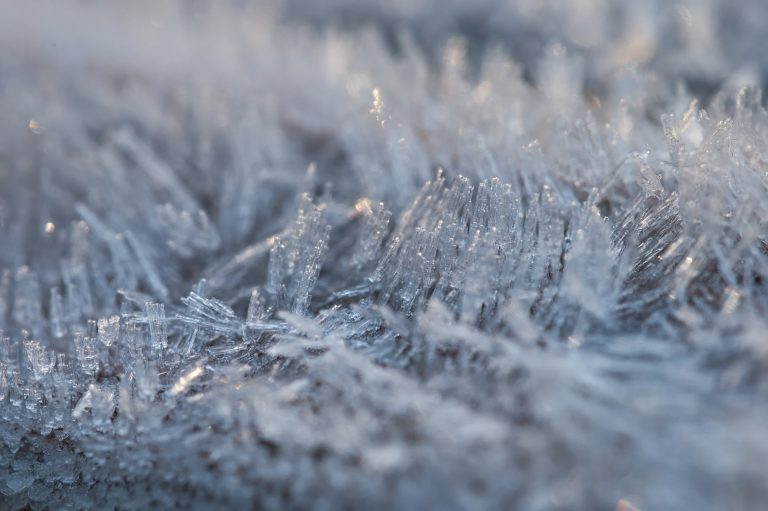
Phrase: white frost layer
[253,254]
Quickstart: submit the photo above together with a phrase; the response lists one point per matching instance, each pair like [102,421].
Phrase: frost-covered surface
[367,254]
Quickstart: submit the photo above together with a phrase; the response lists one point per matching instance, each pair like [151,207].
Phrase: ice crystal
[383,255]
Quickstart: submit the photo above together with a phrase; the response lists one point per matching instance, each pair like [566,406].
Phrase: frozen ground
[368,254]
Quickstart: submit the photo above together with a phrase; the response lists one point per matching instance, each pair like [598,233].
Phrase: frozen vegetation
[384,255]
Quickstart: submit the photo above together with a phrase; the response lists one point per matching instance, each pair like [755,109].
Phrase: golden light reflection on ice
[363,206]
[378,105]
[626,505]
[185,380]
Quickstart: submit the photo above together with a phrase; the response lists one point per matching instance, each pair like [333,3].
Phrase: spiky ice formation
[484,266]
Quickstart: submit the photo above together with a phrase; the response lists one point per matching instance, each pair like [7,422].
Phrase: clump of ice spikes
[383,255]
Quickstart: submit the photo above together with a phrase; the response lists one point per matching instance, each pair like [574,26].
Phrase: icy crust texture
[247,263]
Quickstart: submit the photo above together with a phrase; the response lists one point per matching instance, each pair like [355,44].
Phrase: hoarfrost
[526,267]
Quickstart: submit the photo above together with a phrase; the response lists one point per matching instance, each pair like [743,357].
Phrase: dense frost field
[369,254]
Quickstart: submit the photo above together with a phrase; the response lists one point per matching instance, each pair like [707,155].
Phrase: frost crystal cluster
[368,254]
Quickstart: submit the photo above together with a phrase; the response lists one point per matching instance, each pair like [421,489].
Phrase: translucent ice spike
[479,293]
[157,326]
[127,270]
[147,380]
[157,171]
[257,318]
[40,360]
[148,266]
[77,290]
[374,230]
[109,330]
[87,355]
[209,307]
[200,287]
[189,232]
[209,314]
[295,260]
[232,270]
[589,265]
[308,277]
[133,342]
[5,296]
[276,270]
[257,310]
[56,314]
[27,310]
[4,383]
[8,352]
[189,340]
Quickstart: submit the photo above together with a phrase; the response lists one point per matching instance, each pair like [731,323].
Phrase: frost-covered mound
[383,255]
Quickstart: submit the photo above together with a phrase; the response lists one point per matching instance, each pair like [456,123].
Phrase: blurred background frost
[420,254]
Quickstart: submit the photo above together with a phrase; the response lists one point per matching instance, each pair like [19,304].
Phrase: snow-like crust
[383,255]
